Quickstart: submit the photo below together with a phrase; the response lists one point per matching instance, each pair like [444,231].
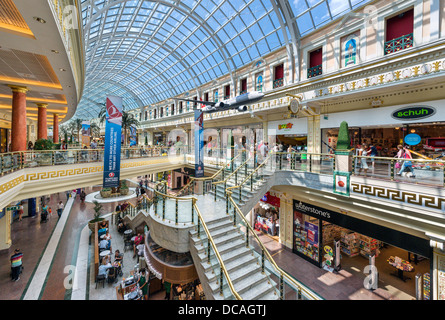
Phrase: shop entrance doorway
[399,257]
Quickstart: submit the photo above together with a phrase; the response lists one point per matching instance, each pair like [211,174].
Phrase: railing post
[310,163]
[281,287]
[155,203]
[353,164]
[227,205]
[234,215]
[214,187]
[236,177]
[193,211]
[247,238]
[392,170]
[221,278]
[280,161]
[163,208]
[262,261]
[176,212]
[251,182]
[208,250]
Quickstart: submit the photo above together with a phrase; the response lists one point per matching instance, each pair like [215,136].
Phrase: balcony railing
[398,44]
[315,71]
[259,88]
[278,83]
[243,92]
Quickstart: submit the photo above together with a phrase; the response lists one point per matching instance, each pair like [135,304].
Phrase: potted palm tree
[97,212]
[128,120]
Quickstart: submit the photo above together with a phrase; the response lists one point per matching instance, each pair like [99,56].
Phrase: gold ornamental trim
[421,200]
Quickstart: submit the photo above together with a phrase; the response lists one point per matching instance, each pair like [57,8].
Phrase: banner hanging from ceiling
[133,135]
[199,143]
[86,133]
[113,134]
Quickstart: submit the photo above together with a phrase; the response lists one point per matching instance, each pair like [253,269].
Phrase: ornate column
[56,128]
[18,124]
[42,130]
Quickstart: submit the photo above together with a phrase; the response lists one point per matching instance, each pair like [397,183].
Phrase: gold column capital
[19,89]
[42,105]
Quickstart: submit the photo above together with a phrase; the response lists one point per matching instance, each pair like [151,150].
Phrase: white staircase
[242,265]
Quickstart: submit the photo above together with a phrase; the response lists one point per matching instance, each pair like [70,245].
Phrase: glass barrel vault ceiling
[149,51]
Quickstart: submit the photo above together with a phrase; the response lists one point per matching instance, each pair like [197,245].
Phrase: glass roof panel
[150,50]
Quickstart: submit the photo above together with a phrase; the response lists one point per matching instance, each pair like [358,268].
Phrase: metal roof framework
[150,51]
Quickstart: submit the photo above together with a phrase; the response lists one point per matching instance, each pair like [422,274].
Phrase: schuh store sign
[413,113]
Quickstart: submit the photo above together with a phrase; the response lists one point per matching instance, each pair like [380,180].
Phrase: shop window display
[306,235]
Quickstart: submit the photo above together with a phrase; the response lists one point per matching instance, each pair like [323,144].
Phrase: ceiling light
[54,51]
[38,19]
[61,69]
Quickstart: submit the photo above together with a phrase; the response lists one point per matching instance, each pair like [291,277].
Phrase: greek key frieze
[400,196]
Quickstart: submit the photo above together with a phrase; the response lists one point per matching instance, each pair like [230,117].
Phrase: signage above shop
[285,126]
[413,139]
[413,113]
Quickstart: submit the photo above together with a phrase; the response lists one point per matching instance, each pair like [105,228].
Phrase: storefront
[241,137]
[287,132]
[387,127]
[5,139]
[159,139]
[267,215]
[320,234]
[180,177]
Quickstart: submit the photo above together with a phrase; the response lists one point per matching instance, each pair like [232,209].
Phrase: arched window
[259,83]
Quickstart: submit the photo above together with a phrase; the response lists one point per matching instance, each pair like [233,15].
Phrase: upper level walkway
[377,193]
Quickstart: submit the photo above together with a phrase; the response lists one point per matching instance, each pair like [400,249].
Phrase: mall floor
[32,237]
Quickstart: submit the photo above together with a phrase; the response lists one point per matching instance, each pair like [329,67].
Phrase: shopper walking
[60,207]
[16,265]
[407,164]
[362,152]
[21,211]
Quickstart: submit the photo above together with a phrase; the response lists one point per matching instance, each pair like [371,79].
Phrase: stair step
[232,267]
[220,241]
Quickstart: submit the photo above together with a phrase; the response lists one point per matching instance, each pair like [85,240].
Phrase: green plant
[123,184]
[343,141]
[106,189]
[43,144]
[97,211]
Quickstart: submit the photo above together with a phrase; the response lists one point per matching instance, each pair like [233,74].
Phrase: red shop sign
[272,200]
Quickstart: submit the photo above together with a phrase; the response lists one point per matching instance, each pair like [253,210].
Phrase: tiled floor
[32,238]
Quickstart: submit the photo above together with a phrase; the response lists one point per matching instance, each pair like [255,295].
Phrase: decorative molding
[413,198]
[11,184]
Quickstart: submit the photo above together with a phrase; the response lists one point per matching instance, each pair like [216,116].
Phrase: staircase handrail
[234,172]
[209,237]
[192,179]
[263,248]
[269,257]
[218,256]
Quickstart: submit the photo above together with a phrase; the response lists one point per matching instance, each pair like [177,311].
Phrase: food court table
[104,253]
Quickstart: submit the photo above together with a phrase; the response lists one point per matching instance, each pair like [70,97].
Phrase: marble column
[18,123]
[42,129]
[56,128]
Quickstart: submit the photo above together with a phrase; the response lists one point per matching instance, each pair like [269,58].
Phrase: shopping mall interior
[222,150]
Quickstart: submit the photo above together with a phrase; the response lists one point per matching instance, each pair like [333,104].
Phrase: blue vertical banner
[199,143]
[113,134]
[133,135]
